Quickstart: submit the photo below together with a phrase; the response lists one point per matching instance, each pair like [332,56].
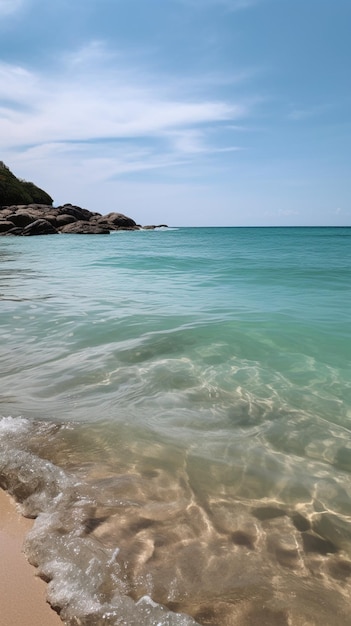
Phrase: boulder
[4,212]
[62,220]
[153,226]
[21,218]
[16,231]
[33,208]
[5,225]
[75,211]
[39,227]
[44,219]
[84,228]
[52,219]
[116,221]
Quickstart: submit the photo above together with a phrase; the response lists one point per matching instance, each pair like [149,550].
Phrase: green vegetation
[16,191]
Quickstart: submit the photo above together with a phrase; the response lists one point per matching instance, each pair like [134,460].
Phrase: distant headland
[26,210]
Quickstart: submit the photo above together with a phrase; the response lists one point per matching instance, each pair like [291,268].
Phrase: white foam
[13,424]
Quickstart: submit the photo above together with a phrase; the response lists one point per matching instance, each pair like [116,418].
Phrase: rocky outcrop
[44,219]
[27,210]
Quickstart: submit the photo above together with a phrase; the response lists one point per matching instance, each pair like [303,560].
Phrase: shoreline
[22,593]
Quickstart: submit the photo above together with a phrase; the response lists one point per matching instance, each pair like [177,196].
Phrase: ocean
[176,416]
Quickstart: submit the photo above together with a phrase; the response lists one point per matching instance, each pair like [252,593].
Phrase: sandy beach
[22,593]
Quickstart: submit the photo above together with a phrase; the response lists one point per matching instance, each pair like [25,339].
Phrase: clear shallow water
[176,412]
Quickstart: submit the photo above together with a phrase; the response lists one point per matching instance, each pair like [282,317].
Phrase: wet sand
[22,593]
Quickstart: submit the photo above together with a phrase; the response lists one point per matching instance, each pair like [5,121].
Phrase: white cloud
[96,97]
[74,113]
[83,131]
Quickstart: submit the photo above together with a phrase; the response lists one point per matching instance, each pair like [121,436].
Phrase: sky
[184,112]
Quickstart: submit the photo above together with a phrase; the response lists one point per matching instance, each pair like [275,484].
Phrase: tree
[16,191]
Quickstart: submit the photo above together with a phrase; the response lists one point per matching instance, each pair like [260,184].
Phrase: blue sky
[186,112]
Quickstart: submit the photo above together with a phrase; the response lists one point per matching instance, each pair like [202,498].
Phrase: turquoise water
[176,413]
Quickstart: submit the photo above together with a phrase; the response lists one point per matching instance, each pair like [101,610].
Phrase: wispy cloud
[96,98]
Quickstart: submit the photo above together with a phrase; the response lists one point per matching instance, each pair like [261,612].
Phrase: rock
[33,208]
[117,221]
[5,212]
[44,219]
[17,231]
[21,219]
[62,220]
[39,227]
[52,219]
[75,211]
[5,225]
[153,226]
[84,228]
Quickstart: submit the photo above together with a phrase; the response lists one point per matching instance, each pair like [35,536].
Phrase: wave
[85,582]
[174,540]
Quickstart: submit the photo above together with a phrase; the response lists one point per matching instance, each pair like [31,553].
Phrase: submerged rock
[153,226]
